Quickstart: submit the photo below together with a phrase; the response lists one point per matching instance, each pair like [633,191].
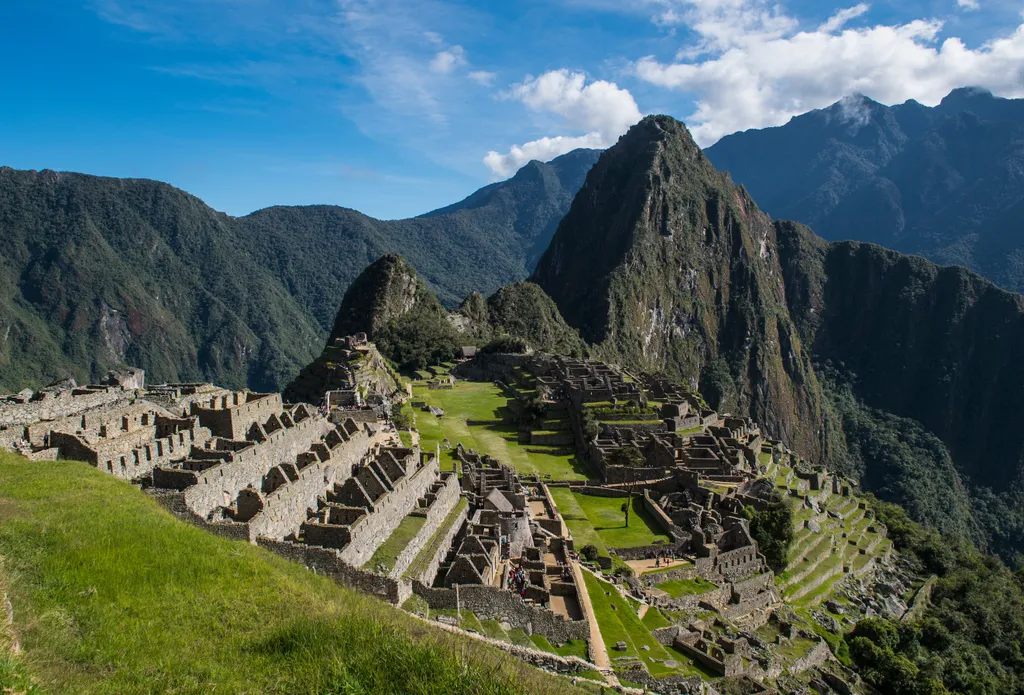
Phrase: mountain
[877,363]
[665,264]
[945,182]
[487,240]
[100,272]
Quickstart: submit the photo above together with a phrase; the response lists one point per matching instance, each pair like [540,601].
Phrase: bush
[506,344]
[773,531]
[590,553]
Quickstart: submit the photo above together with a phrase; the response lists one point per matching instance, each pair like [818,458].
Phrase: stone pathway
[598,652]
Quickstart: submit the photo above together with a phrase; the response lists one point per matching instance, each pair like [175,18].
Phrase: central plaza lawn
[601,522]
[478,415]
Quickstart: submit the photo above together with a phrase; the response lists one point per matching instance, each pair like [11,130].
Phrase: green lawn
[570,648]
[619,622]
[384,557]
[686,587]
[475,414]
[113,595]
[607,519]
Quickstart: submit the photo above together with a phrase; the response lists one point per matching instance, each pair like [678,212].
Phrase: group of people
[663,560]
[517,579]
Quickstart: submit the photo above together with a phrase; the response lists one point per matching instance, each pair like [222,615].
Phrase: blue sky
[396,107]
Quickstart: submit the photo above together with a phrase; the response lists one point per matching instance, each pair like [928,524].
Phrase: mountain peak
[385,290]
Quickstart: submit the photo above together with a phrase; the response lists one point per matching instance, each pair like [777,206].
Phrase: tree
[630,458]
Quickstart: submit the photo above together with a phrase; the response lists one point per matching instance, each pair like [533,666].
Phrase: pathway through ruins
[598,651]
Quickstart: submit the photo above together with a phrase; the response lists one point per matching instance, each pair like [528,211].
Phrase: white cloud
[758,76]
[968,4]
[446,61]
[601,109]
[840,18]
[483,77]
[544,150]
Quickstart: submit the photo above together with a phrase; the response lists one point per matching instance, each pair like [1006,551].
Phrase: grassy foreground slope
[113,595]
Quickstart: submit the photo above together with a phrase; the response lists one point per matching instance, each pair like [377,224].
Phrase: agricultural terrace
[481,417]
[618,621]
[845,543]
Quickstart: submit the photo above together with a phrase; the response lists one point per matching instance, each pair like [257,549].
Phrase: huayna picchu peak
[665,264]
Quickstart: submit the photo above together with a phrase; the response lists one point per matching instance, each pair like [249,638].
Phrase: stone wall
[444,544]
[447,497]
[370,532]
[534,657]
[64,404]
[673,685]
[490,603]
[219,486]
[230,416]
[329,562]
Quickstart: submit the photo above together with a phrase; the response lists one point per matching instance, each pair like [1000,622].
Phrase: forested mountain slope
[100,272]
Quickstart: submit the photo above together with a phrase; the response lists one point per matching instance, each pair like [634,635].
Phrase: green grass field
[385,556]
[475,414]
[113,595]
[686,587]
[600,521]
[619,622]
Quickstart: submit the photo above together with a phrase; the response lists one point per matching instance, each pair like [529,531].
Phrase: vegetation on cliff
[970,636]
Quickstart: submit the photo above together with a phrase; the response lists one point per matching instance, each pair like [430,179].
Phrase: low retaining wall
[490,603]
[328,562]
[534,657]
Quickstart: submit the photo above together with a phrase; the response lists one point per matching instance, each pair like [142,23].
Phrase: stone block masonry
[328,561]
[370,532]
[444,543]
[491,603]
[219,485]
[446,497]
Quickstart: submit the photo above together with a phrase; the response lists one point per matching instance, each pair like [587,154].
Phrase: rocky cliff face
[938,345]
[665,264]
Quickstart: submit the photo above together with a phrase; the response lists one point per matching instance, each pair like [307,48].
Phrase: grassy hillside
[112,595]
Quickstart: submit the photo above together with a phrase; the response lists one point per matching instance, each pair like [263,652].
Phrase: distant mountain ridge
[944,182]
[99,272]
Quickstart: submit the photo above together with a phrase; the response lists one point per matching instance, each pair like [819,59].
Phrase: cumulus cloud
[446,61]
[760,77]
[601,109]
[544,150]
[968,4]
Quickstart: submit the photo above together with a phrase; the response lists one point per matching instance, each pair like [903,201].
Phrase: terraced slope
[836,540]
